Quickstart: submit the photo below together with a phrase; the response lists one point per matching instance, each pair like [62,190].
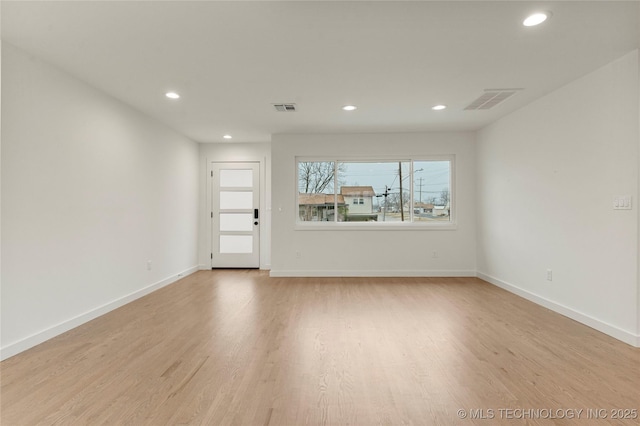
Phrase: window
[316,197]
[376,191]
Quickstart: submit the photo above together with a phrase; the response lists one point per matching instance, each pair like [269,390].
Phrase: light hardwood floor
[238,347]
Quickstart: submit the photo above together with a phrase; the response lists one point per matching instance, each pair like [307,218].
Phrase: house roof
[359,191]
[423,205]
[318,199]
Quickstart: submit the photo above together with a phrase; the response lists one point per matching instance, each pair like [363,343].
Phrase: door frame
[264,216]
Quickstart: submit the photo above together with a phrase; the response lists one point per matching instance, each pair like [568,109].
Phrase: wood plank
[239,347]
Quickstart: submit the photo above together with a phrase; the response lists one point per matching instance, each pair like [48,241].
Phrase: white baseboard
[202,267]
[371,273]
[611,330]
[51,332]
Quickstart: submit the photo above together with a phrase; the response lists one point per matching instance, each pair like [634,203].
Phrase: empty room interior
[320,212]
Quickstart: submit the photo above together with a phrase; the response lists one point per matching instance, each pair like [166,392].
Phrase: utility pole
[420,179]
[385,195]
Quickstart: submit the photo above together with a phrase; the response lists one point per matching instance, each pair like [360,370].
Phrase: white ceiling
[394,60]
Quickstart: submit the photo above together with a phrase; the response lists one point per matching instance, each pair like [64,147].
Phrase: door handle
[255,213]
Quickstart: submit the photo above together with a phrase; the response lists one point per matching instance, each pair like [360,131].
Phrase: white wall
[234,152]
[0,199]
[379,252]
[91,190]
[547,176]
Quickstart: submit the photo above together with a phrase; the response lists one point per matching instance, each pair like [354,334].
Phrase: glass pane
[432,191]
[236,244]
[236,178]
[236,221]
[236,200]
[316,198]
[374,191]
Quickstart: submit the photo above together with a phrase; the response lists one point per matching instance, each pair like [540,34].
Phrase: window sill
[375,226]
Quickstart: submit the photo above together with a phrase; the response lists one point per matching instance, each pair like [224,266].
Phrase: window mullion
[336,212]
[411,190]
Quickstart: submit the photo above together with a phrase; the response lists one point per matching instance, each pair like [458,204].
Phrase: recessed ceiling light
[536,19]
[349,107]
[438,107]
[227,136]
[172,95]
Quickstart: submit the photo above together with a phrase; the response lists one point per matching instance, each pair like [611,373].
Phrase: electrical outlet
[298,255]
[434,254]
[549,275]
[148,265]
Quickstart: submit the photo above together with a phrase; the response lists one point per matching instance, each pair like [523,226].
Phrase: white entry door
[235,215]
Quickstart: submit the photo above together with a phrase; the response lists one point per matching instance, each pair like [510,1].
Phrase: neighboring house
[421,208]
[319,207]
[441,210]
[359,200]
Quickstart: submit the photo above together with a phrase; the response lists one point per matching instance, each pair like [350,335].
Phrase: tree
[444,196]
[394,200]
[316,177]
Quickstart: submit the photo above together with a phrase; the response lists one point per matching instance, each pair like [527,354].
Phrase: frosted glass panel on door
[236,244]
[235,200]
[236,222]
[236,178]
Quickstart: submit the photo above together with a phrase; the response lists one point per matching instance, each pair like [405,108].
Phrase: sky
[430,177]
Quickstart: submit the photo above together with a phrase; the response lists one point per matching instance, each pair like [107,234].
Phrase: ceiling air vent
[285,107]
[491,98]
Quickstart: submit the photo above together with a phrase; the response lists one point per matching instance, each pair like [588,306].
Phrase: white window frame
[451,224]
